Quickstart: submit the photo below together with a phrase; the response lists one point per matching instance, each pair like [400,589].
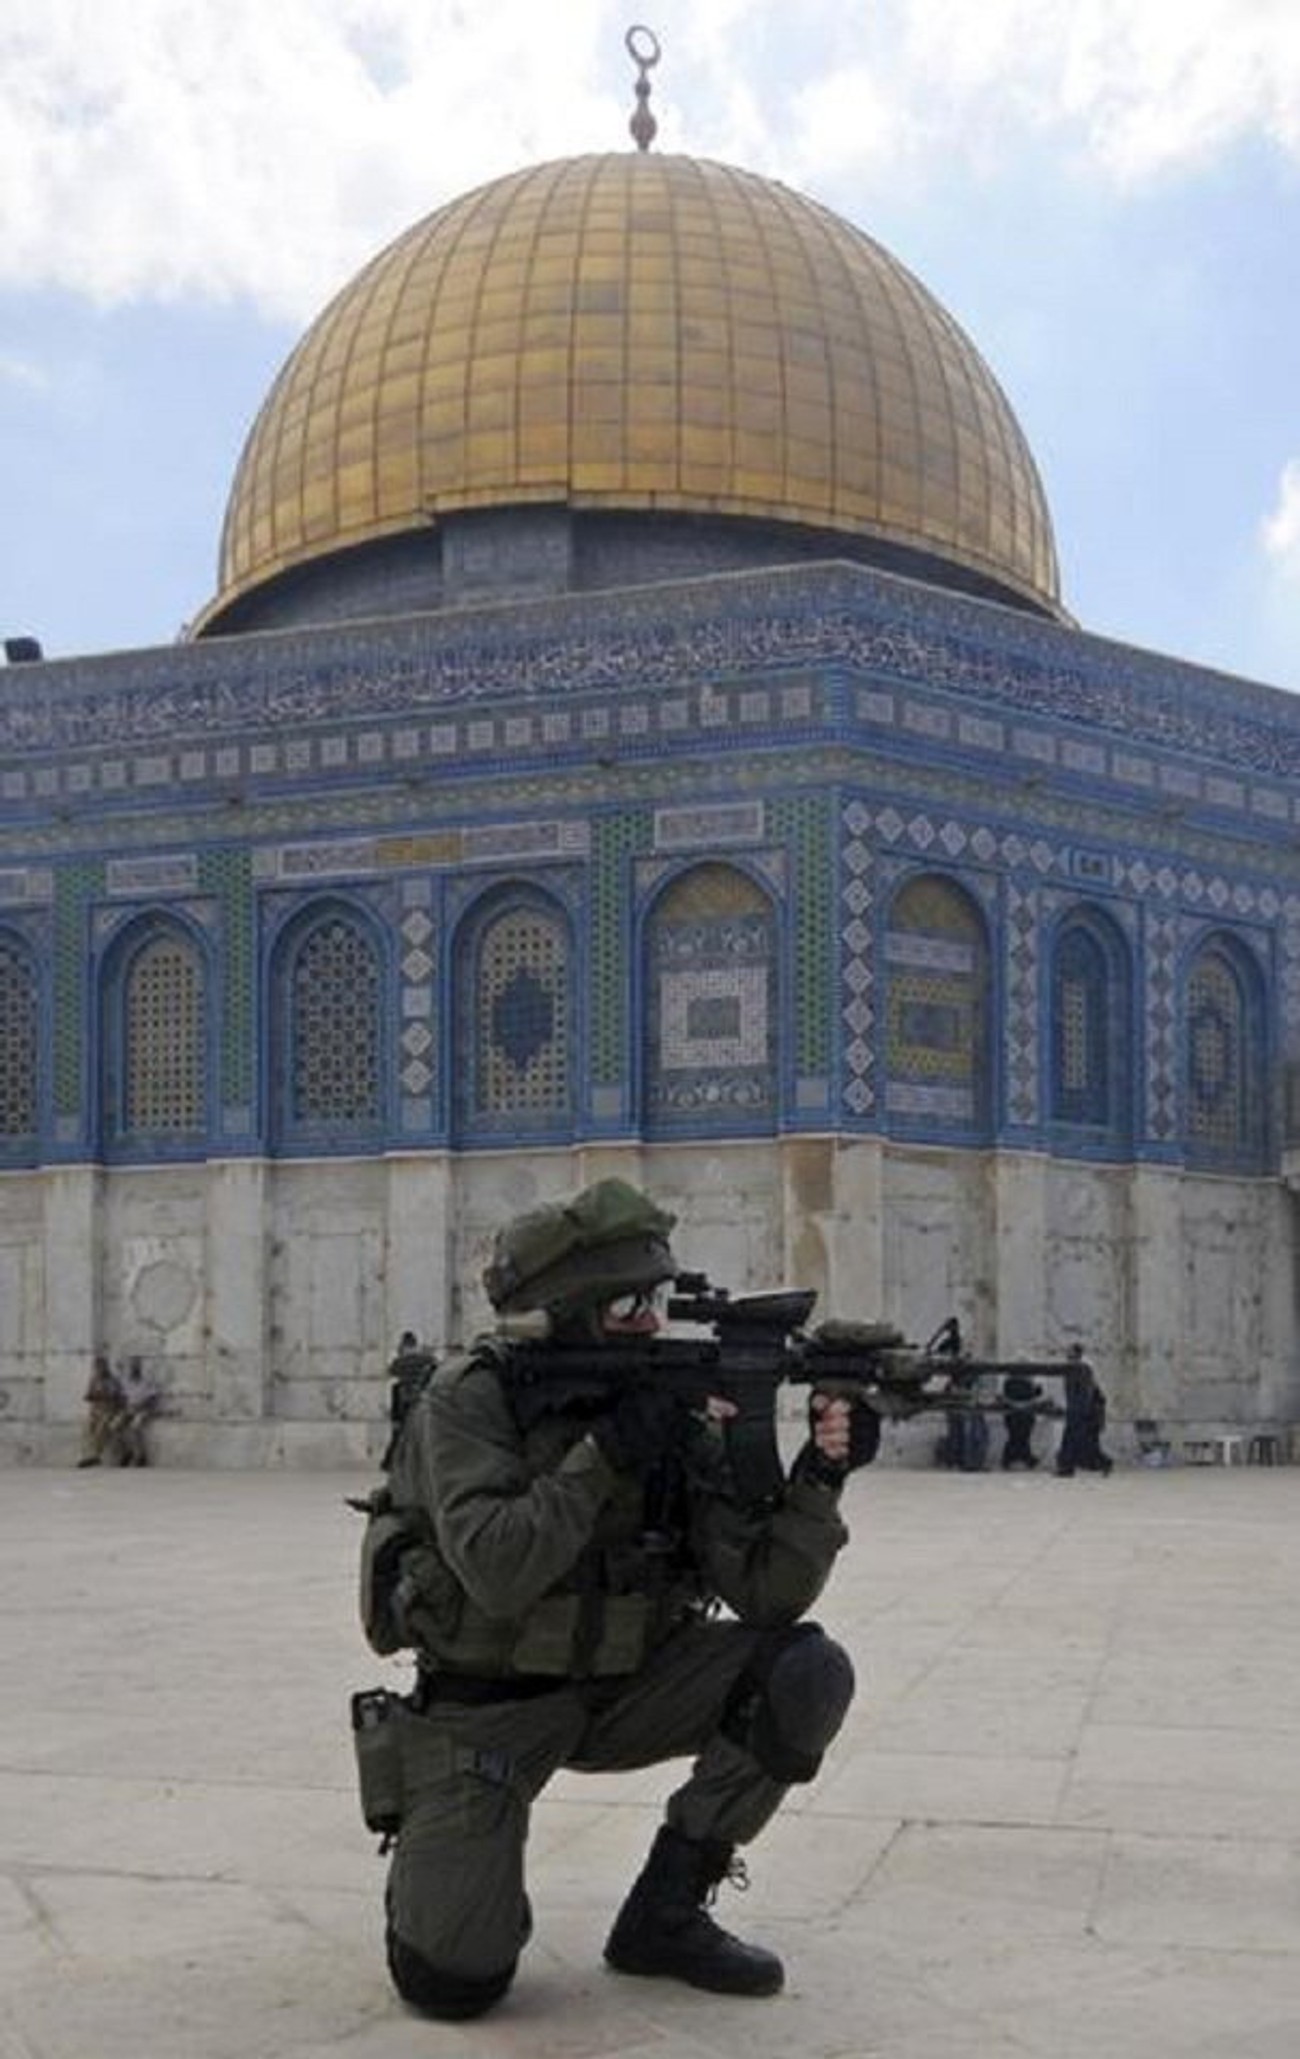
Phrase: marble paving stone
[944,1786]
[198,1831]
[1212,1782]
[1062,1818]
[26,1946]
[1155,1682]
[1068,2001]
[982,1884]
[596,1865]
[994,1712]
[1203,1892]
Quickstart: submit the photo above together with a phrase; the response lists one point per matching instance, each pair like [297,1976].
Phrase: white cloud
[1158,87]
[166,147]
[156,148]
[846,122]
[1132,88]
[1280,531]
[21,371]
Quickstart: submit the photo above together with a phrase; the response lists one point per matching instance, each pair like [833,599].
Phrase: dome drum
[514,554]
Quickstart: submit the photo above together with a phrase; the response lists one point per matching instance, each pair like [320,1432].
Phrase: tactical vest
[620,1599]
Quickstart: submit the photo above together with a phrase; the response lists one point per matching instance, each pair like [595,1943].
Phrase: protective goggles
[643,1301]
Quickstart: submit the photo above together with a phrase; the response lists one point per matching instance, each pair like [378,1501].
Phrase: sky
[1104,193]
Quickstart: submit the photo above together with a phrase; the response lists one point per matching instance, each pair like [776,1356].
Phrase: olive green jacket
[534,1558]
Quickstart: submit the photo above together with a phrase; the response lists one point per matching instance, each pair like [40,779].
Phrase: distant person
[1080,1449]
[964,1446]
[142,1399]
[409,1372]
[1019,1393]
[105,1416]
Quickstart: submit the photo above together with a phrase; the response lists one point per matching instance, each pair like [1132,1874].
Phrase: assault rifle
[757,1343]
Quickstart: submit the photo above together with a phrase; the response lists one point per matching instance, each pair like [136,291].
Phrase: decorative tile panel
[226,876]
[26,885]
[336,1009]
[1020,1025]
[711,1043]
[857,965]
[806,888]
[19,1043]
[514,1064]
[74,887]
[324,860]
[936,1043]
[164,873]
[1159,1022]
[513,840]
[418,1057]
[164,1030]
[679,829]
[1289,949]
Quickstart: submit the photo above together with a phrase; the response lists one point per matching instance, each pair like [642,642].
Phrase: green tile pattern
[803,826]
[226,874]
[614,839]
[75,887]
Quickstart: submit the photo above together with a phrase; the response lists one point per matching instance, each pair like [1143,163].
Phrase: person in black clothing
[408,1373]
[1085,1419]
[964,1446]
[141,1401]
[1020,1393]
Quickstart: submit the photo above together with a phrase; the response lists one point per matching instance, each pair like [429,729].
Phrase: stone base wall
[267,1299]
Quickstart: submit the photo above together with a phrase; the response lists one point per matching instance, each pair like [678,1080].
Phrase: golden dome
[639,332]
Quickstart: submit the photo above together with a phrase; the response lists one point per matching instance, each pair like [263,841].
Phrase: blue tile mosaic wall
[830,731]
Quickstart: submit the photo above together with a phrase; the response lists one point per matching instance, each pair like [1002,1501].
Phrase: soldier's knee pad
[789,1702]
[453,1997]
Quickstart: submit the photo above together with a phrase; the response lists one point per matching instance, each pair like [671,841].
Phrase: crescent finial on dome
[642,47]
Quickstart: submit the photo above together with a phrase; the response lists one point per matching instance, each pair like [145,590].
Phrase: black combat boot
[663,1926]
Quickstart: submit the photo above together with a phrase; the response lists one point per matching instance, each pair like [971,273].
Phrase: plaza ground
[1063,1817]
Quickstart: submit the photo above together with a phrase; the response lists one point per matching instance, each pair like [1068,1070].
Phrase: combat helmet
[572,1257]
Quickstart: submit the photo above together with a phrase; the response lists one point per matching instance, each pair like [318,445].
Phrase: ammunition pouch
[408,1596]
[376,1739]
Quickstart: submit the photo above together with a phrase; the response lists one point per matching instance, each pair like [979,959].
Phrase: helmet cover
[576,1255]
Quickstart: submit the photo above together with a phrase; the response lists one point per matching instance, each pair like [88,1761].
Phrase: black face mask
[575,1325]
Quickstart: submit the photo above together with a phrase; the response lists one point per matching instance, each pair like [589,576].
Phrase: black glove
[640,1428]
[864,1443]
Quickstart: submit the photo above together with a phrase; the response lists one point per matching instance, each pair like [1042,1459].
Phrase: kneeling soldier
[557,1570]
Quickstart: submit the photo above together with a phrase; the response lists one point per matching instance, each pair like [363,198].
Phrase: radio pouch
[376,1737]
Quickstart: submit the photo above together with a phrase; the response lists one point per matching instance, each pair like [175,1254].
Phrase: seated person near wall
[105,1416]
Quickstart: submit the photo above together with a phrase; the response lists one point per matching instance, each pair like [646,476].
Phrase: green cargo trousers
[456,1892]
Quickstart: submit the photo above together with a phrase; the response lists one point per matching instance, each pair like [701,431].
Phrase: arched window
[1090,1072]
[515,1018]
[19,1047]
[327,1071]
[165,1054]
[937,1043]
[155,1043]
[1225,1115]
[711,1018]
